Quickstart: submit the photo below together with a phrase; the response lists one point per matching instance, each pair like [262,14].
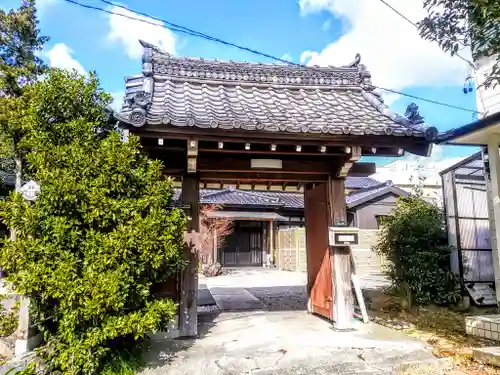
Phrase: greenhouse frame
[466,209]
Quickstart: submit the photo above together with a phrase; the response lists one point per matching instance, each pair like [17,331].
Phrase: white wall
[488,101]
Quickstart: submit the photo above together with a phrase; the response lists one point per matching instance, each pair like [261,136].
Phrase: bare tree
[213,235]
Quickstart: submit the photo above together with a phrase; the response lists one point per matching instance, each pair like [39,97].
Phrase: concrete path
[280,338]
[235,299]
[284,343]
[276,290]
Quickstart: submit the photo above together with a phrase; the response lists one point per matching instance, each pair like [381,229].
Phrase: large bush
[100,235]
[413,240]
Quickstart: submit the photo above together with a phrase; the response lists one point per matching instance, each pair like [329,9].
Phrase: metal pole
[457,232]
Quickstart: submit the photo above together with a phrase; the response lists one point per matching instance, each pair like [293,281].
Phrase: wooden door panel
[256,247]
[319,261]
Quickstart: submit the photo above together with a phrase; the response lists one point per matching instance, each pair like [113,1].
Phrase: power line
[399,13]
[184,30]
[416,26]
[429,100]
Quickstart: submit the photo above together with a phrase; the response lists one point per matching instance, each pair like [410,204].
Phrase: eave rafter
[354,154]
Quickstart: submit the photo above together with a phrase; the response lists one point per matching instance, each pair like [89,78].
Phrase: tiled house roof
[364,195]
[360,182]
[185,92]
[367,189]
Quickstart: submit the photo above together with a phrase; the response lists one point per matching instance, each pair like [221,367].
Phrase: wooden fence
[291,249]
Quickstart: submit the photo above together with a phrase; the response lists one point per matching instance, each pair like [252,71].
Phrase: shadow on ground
[281,298]
[162,351]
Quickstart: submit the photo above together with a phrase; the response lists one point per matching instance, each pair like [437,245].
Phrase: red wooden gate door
[319,261]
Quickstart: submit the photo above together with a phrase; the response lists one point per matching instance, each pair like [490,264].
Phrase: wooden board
[482,293]
[319,261]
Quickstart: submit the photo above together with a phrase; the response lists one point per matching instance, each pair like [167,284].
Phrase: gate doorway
[244,247]
[265,127]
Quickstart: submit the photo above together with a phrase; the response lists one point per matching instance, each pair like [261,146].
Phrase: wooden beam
[418,146]
[355,155]
[192,154]
[362,169]
[261,178]
[274,153]
[297,166]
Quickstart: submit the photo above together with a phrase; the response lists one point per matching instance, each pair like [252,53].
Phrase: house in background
[259,216]
[407,174]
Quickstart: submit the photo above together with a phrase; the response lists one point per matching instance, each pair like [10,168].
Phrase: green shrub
[413,240]
[100,235]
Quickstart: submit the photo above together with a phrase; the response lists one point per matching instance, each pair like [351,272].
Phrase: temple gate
[259,126]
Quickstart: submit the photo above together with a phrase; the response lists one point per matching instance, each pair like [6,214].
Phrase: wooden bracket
[355,155]
[192,154]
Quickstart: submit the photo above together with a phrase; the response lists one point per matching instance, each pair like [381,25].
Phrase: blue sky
[323,32]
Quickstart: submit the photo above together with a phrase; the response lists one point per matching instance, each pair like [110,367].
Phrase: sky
[313,32]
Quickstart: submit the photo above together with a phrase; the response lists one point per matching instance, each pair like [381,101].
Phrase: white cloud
[60,57]
[390,47]
[128,32]
[307,56]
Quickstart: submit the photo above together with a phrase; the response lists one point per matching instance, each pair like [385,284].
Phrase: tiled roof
[285,199]
[360,182]
[364,195]
[266,97]
[256,198]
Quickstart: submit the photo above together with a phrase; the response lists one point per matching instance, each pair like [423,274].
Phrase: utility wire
[416,26]
[184,30]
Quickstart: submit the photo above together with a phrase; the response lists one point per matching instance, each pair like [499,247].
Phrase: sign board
[266,163]
[30,190]
[341,236]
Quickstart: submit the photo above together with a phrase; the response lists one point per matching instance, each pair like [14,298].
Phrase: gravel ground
[280,298]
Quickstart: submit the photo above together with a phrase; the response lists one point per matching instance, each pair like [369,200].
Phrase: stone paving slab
[205,298]
[235,299]
[284,343]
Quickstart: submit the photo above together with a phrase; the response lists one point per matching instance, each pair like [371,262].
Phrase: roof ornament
[152,47]
[413,115]
[355,63]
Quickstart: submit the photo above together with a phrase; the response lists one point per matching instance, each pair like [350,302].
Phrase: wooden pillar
[271,244]
[215,248]
[341,258]
[188,315]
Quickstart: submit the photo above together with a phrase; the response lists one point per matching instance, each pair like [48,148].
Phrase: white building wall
[488,100]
